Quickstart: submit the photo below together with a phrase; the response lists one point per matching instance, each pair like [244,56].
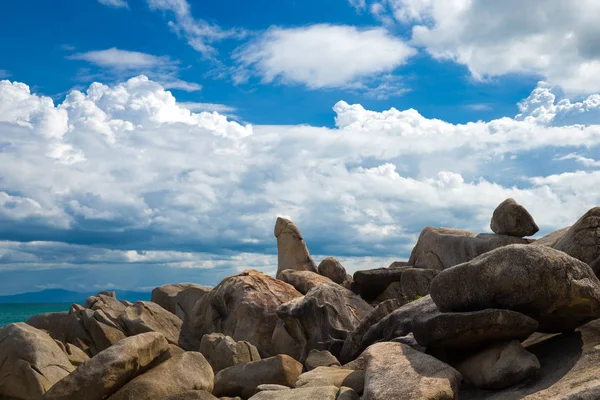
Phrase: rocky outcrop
[30,362]
[557,290]
[511,218]
[184,372]
[146,316]
[332,269]
[179,298]
[396,371]
[415,282]
[303,281]
[292,252]
[323,318]
[354,340]
[499,366]
[332,376]
[222,351]
[471,330]
[582,240]
[442,248]
[312,393]
[244,379]
[111,369]
[242,306]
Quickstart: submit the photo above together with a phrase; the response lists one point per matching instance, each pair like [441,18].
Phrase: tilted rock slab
[557,290]
[303,281]
[471,330]
[30,362]
[111,369]
[179,298]
[244,379]
[511,218]
[396,371]
[442,248]
[582,240]
[292,252]
[243,307]
[371,283]
[184,372]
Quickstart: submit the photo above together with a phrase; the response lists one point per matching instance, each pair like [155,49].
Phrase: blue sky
[145,142]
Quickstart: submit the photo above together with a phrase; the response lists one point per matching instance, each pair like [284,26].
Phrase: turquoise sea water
[10,313]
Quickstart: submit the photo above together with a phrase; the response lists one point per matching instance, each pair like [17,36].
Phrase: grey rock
[372,282]
[511,218]
[222,351]
[582,240]
[322,358]
[292,252]
[332,269]
[312,393]
[332,376]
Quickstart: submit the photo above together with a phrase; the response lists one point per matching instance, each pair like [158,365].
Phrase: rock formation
[292,252]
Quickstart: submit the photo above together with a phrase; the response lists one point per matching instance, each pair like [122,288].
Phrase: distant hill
[66,296]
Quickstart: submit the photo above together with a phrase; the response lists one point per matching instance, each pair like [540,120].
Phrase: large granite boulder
[192,395]
[552,238]
[242,306]
[108,371]
[415,282]
[181,373]
[396,371]
[320,358]
[222,351]
[582,240]
[323,318]
[471,330]
[332,269]
[499,366]
[392,292]
[30,362]
[398,323]
[441,248]
[353,344]
[179,298]
[371,283]
[292,252]
[312,393]
[303,281]
[107,303]
[511,218]
[102,331]
[557,290]
[146,316]
[244,379]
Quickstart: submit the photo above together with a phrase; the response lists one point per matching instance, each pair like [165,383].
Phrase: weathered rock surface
[30,362]
[371,283]
[111,369]
[184,372]
[179,298]
[353,344]
[396,371]
[323,318]
[332,376]
[146,316]
[262,388]
[471,330]
[511,218]
[192,395]
[345,393]
[222,351]
[399,322]
[312,393]
[392,292]
[552,238]
[242,306]
[243,379]
[499,366]
[292,252]
[582,240]
[303,281]
[102,330]
[557,290]
[75,355]
[441,248]
[332,269]
[322,358]
[415,282]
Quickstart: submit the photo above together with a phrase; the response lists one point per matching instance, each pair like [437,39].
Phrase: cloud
[4,74]
[587,162]
[359,5]
[122,180]
[114,3]
[120,64]
[323,56]
[199,34]
[556,41]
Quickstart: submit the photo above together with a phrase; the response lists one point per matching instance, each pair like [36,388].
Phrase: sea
[21,312]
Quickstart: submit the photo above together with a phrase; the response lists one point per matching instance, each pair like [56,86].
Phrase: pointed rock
[292,252]
[511,218]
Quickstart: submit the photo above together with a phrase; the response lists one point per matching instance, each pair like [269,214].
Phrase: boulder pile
[469,316]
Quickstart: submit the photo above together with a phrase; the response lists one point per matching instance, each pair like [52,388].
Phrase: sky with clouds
[145,142]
